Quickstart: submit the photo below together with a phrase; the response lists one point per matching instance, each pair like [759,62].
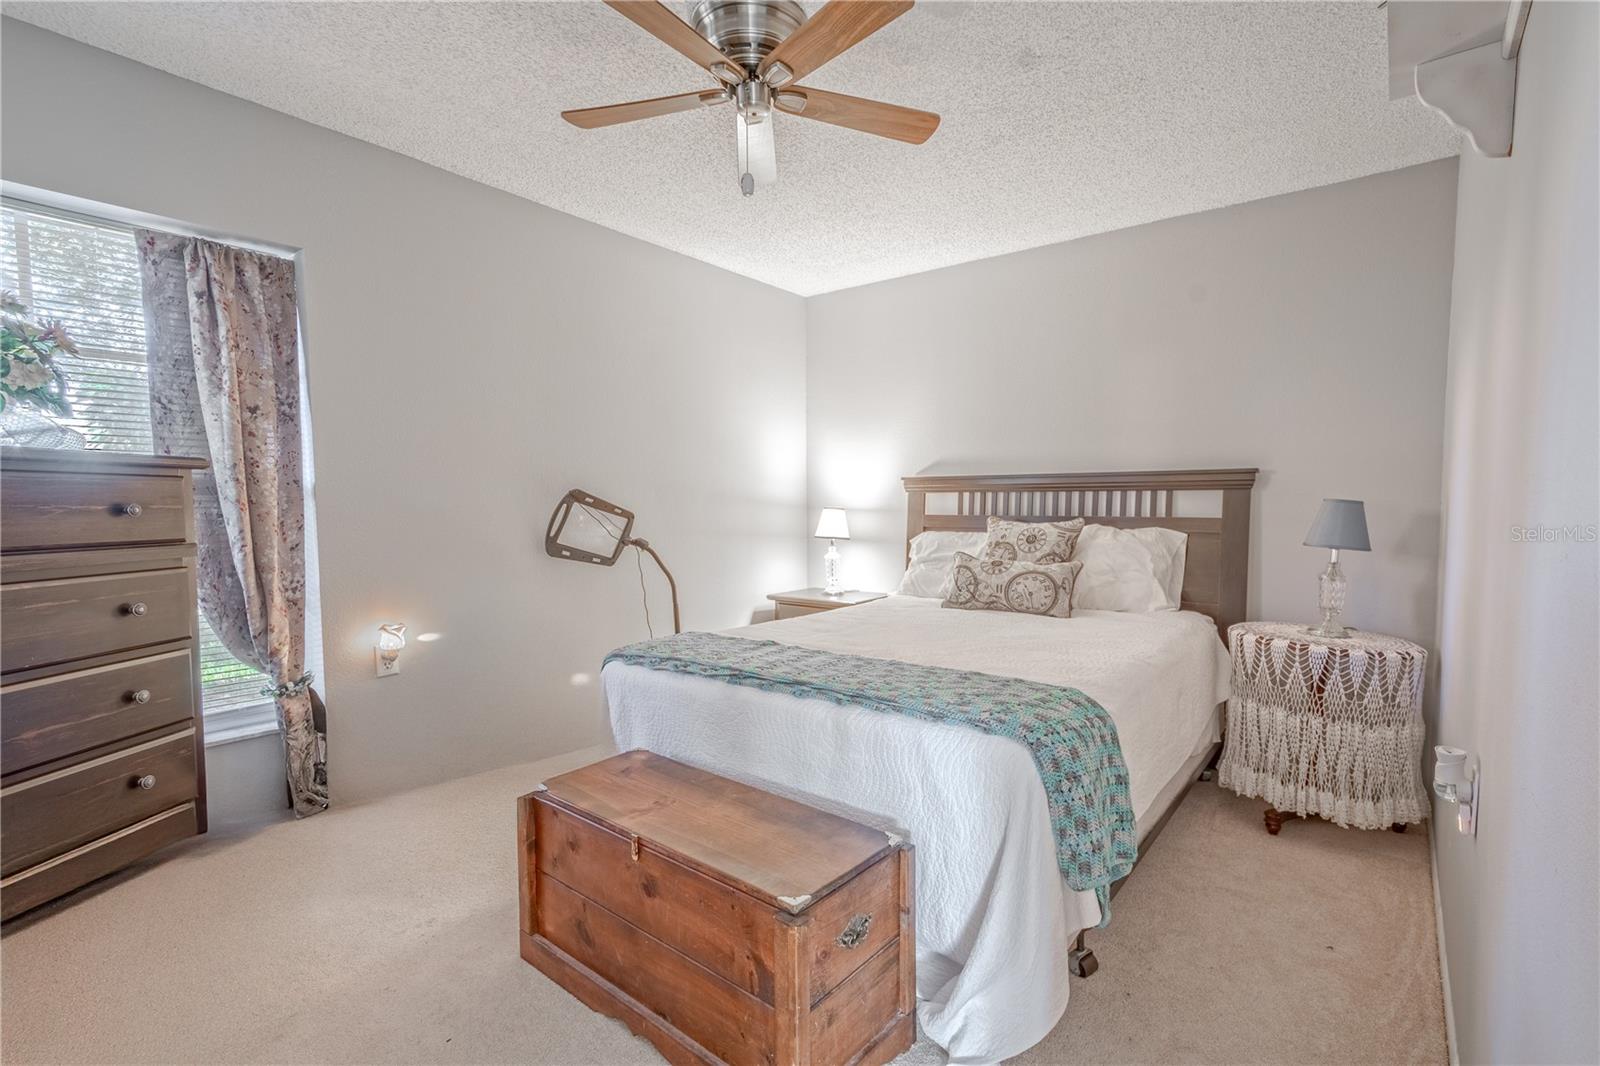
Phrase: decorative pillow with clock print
[996,583]
[1031,542]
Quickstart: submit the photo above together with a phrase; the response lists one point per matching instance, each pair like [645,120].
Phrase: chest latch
[855,931]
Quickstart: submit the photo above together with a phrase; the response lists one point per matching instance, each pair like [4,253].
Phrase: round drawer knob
[136,608]
[141,696]
[147,782]
[132,510]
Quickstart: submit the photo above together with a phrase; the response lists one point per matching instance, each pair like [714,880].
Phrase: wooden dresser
[720,922]
[100,733]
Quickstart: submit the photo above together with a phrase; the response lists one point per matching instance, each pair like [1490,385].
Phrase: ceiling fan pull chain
[747,180]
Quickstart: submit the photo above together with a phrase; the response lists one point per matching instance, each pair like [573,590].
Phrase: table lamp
[833,526]
[1340,525]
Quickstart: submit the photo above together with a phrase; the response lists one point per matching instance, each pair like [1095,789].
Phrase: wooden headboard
[1211,506]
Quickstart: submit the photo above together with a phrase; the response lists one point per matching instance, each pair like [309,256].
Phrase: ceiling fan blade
[659,21]
[838,25]
[869,116]
[590,118]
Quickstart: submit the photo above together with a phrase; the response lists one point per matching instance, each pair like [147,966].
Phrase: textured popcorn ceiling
[1060,120]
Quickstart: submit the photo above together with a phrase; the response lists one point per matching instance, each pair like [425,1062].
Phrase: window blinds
[86,273]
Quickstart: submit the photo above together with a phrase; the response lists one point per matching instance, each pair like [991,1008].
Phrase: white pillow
[933,557]
[1169,550]
[1129,569]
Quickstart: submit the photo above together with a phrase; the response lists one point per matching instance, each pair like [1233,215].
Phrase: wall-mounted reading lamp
[587,529]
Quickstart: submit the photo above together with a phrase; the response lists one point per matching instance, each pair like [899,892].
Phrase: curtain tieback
[297,687]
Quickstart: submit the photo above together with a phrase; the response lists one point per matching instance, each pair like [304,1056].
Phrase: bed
[996,923]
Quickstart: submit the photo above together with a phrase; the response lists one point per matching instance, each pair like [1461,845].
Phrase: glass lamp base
[830,571]
[1331,587]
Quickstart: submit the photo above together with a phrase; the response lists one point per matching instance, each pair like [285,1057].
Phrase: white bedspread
[995,920]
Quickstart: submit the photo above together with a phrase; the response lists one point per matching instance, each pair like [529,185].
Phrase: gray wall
[472,356]
[245,785]
[1304,334]
[1519,632]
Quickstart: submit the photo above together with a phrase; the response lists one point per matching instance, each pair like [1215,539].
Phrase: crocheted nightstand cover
[1327,726]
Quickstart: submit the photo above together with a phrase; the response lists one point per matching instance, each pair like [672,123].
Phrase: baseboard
[1444,957]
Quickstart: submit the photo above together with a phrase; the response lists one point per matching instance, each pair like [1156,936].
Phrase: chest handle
[855,931]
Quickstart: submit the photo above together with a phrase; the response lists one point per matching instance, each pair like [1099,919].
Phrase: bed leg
[1080,960]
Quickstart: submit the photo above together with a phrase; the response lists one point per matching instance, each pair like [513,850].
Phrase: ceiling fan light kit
[754,99]
[753,48]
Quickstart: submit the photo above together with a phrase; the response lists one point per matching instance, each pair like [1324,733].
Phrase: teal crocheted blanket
[1072,738]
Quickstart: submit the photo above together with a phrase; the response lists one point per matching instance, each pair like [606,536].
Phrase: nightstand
[1326,726]
[810,601]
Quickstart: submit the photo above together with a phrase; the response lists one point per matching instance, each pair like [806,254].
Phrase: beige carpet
[387,933]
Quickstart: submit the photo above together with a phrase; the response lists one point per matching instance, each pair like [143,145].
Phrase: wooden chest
[719,922]
[100,736]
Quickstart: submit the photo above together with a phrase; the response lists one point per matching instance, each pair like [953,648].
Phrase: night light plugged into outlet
[1455,780]
[391,639]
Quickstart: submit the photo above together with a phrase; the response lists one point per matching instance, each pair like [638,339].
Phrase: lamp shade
[1340,524]
[832,524]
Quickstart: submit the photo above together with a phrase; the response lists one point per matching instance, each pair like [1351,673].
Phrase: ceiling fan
[758,50]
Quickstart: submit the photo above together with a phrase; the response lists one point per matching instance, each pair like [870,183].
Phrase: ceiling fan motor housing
[746,30]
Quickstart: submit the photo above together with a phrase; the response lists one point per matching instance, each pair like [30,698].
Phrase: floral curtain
[225,386]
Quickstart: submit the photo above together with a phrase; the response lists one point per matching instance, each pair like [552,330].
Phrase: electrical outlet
[387,666]
[1467,813]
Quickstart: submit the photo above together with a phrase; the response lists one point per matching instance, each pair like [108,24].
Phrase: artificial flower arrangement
[29,372]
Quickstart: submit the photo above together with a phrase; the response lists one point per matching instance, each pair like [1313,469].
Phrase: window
[86,273]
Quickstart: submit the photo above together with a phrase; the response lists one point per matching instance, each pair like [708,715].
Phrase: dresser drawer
[57,621]
[60,510]
[58,716]
[46,816]
[40,884]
